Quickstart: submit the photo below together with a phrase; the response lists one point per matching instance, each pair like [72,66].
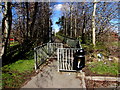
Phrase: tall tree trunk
[33,19]
[76,14]
[75,26]
[64,31]
[27,20]
[6,27]
[50,31]
[83,28]
[23,19]
[71,22]
[93,23]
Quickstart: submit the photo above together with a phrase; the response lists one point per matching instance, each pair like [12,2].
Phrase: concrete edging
[102,78]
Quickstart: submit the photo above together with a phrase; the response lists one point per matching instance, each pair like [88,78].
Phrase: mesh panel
[43,52]
[72,43]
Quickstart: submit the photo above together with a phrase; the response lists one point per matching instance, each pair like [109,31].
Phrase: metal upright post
[58,59]
[35,58]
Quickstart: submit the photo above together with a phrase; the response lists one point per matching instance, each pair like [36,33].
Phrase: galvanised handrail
[44,52]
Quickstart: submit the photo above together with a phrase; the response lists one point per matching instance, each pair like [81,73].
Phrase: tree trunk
[50,31]
[75,26]
[83,28]
[33,20]
[71,22]
[93,22]
[6,27]
[27,20]
[64,26]
[76,16]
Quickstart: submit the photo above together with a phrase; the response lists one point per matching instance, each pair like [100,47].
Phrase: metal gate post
[58,58]
[35,58]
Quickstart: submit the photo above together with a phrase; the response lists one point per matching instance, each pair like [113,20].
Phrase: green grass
[60,37]
[14,75]
[0,81]
[115,43]
[110,68]
[13,43]
[21,65]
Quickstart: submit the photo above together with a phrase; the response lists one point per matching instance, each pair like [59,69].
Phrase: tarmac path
[49,77]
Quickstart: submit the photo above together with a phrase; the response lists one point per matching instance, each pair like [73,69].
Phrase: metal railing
[44,52]
[71,42]
[65,58]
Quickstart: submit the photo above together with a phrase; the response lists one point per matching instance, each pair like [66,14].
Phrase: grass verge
[60,37]
[104,68]
[13,43]
[15,74]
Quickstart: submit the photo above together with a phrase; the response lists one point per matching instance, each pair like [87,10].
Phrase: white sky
[58,7]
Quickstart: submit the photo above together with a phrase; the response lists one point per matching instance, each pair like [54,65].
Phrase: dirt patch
[101,84]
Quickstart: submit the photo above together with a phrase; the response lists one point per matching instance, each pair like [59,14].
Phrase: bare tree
[6,26]
[71,18]
[33,22]
[91,21]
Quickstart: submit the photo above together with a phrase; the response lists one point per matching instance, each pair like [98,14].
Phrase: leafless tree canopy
[77,19]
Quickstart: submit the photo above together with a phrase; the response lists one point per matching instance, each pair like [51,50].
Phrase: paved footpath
[49,77]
